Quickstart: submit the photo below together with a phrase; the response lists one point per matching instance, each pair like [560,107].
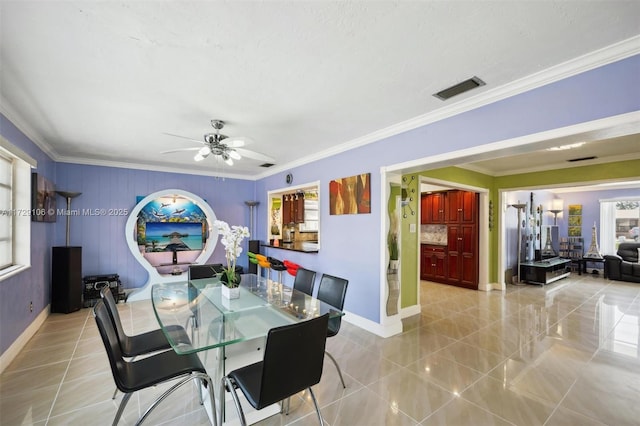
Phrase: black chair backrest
[293,359]
[109,336]
[304,281]
[332,290]
[204,271]
[112,310]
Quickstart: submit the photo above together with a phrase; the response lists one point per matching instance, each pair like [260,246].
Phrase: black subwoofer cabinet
[66,279]
[254,247]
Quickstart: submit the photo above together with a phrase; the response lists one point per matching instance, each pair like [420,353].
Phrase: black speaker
[254,247]
[66,279]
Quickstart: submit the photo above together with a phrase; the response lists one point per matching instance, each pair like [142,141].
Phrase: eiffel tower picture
[594,251]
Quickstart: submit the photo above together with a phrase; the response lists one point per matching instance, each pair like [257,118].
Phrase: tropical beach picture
[173,236]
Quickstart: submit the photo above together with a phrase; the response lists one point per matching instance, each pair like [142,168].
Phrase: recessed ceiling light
[565,147]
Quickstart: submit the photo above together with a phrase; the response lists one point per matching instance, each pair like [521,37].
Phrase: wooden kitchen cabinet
[462,255]
[292,208]
[462,207]
[433,263]
[432,208]
[298,208]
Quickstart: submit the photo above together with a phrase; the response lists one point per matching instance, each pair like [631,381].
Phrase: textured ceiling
[102,82]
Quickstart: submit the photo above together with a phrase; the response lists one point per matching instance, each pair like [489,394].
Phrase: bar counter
[301,246]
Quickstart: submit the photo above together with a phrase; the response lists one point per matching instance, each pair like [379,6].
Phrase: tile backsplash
[433,234]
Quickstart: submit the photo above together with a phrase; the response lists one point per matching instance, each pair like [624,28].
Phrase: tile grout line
[64,375]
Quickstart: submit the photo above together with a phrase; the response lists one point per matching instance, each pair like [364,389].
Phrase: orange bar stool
[263,263]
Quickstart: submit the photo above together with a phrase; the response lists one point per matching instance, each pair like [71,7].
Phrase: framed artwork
[575,231]
[575,210]
[43,199]
[575,220]
[350,195]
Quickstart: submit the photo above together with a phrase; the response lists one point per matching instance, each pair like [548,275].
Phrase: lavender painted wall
[590,202]
[19,290]
[350,244]
[102,237]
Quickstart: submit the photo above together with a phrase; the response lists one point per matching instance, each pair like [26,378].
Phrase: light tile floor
[564,354]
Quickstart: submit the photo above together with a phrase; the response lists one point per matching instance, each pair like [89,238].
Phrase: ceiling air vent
[582,159]
[266,165]
[459,88]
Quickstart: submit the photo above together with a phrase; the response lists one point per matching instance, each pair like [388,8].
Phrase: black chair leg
[337,367]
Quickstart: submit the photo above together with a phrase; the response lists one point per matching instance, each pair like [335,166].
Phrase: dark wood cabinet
[433,263]
[298,209]
[457,263]
[462,253]
[432,208]
[462,207]
[287,209]
[292,209]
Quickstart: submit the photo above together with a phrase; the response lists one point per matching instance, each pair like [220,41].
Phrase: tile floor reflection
[564,354]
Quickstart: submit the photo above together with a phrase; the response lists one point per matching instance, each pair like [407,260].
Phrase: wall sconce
[407,196]
[557,206]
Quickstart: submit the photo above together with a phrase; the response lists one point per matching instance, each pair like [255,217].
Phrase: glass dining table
[230,333]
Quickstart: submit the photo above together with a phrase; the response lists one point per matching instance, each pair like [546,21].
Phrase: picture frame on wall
[350,195]
[43,199]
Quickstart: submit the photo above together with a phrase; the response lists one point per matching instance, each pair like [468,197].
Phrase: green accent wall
[621,170]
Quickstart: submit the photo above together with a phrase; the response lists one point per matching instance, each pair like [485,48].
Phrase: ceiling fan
[221,146]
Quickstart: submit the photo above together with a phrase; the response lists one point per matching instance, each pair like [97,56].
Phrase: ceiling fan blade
[184,137]
[254,155]
[179,150]
[237,141]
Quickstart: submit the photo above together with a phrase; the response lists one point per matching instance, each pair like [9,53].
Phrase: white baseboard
[10,354]
[410,311]
[373,327]
[491,286]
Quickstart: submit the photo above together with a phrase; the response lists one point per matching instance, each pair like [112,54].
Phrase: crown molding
[151,168]
[7,110]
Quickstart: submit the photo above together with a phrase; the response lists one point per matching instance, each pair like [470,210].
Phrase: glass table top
[213,321]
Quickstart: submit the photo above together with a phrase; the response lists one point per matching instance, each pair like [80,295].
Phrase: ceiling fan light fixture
[198,157]
[229,161]
[233,154]
[204,151]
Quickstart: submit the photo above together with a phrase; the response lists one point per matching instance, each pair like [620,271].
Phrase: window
[627,218]
[15,205]
[619,221]
[6,222]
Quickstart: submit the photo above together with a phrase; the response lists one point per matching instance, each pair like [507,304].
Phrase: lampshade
[557,204]
[235,155]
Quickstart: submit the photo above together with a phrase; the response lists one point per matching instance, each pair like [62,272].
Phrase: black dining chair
[140,344]
[293,360]
[332,290]
[196,272]
[304,281]
[204,271]
[132,376]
